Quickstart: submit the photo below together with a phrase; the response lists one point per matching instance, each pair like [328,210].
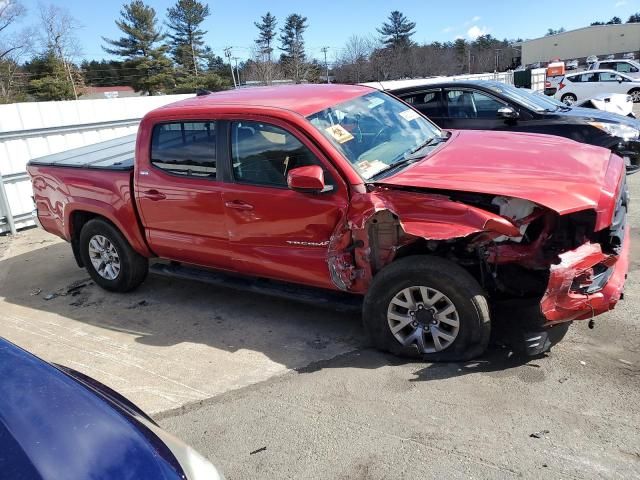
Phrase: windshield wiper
[411,157]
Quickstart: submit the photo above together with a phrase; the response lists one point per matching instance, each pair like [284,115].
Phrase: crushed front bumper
[565,301]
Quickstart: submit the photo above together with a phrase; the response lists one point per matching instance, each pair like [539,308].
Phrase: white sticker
[409,115]
[375,101]
[339,133]
[368,168]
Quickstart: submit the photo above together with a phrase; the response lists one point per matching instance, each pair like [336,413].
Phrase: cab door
[470,109]
[274,231]
[179,194]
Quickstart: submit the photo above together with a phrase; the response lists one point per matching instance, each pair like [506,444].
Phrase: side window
[589,77]
[185,148]
[608,77]
[574,78]
[428,102]
[263,154]
[623,67]
[472,104]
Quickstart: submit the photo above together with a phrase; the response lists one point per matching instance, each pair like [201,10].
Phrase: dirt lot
[232,373]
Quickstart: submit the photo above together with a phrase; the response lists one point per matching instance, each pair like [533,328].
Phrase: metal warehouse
[594,40]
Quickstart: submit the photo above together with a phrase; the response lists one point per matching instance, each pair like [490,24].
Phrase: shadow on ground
[165,312]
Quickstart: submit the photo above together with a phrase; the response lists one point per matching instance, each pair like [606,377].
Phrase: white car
[572,65]
[621,65]
[619,103]
[584,85]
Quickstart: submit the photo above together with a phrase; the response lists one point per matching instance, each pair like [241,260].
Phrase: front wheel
[427,307]
[635,95]
[109,258]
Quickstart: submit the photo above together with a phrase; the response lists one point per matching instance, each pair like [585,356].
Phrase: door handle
[154,195]
[238,205]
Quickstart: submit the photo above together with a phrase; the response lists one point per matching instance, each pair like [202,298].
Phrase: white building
[597,40]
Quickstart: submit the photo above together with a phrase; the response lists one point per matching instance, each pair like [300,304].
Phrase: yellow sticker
[340,134]
[409,115]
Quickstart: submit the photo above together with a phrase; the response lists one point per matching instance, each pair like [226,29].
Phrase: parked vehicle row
[352,192]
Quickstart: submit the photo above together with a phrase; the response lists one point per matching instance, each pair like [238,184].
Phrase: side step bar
[341,302]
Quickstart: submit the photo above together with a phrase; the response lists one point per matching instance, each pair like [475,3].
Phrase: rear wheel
[569,99]
[109,258]
[427,307]
[635,95]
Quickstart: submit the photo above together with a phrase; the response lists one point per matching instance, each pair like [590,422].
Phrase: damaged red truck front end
[351,191]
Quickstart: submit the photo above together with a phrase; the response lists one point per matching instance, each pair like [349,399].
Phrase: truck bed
[115,154]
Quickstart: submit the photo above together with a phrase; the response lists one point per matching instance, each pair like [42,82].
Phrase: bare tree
[14,47]
[59,37]
[354,59]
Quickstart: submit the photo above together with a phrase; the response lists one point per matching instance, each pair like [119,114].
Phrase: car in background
[610,102]
[591,59]
[489,105]
[572,65]
[630,68]
[584,85]
[58,423]
[629,56]
[611,56]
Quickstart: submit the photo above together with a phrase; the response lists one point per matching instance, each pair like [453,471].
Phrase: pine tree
[266,34]
[146,62]
[187,44]
[398,32]
[292,44]
[635,18]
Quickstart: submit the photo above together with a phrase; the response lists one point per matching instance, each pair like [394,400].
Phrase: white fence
[31,130]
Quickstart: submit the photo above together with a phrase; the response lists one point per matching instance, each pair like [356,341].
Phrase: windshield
[375,131]
[525,98]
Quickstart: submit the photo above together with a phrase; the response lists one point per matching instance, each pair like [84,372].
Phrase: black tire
[133,266]
[568,96]
[635,94]
[450,279]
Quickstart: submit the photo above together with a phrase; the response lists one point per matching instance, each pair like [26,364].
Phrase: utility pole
[227,53]
[237,71]
[326,65]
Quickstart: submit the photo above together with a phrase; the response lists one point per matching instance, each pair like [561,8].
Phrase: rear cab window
[185,148]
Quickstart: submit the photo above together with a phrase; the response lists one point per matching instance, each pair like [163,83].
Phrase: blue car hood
[53,426]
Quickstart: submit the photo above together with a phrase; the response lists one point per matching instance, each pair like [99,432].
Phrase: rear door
[471,109]
[430,103]
[179,194]
[276,232]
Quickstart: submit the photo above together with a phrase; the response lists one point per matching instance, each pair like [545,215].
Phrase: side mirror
[508,113]
[619,78]
[309,179]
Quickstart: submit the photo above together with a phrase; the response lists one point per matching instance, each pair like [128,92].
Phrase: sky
[332,22]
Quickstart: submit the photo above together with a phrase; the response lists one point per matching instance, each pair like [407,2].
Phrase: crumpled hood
[555,172]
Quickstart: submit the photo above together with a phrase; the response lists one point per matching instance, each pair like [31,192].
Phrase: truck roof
[302,99]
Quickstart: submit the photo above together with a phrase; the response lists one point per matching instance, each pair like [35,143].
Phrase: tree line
[168,54]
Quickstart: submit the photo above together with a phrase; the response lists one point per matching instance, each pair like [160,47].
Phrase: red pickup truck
[347,189]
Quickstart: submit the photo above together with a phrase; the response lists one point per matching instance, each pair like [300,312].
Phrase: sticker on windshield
[374,102]
[368,168]
[409,115]
[339,133]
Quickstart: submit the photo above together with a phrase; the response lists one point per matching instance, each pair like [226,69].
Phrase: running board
[341,302]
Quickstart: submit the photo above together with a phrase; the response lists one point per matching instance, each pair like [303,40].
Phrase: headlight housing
[617,130]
